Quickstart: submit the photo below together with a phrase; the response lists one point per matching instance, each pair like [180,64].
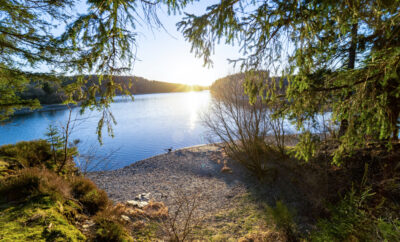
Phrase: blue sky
[165,55]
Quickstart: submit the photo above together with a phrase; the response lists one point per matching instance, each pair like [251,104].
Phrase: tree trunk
[353,47]
[350,65]
[394,119]
[66,133]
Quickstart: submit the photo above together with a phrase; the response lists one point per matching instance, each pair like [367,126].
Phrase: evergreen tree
[55,139]
[341,56]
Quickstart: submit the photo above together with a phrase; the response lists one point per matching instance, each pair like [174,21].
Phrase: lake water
[145,127]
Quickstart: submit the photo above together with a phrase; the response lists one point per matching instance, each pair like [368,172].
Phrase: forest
[52,93]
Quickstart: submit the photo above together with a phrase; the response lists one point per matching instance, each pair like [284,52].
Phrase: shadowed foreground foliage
[36,203]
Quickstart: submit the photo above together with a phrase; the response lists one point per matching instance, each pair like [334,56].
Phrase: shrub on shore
[109,227]
[92,198]
[283,219]
[353,219]
[249,132]
[111,231]
[31,182]
[36,153]
[27,154]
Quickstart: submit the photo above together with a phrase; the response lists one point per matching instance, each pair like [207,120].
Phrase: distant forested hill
[259,76]
[51,93]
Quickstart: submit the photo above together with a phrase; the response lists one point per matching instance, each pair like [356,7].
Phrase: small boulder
[142,197]
[139,204]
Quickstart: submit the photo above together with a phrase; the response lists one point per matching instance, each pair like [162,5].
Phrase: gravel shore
[193,170]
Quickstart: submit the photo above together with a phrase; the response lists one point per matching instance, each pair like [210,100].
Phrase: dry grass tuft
[156,210]
[29,182]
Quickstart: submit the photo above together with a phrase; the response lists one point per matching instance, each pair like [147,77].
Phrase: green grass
[146,233]
[353,219]
[39,219]
[248,216]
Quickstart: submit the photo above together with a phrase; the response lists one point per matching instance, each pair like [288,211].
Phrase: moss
[221,237]
[111,231]
[39,219]
[3,168]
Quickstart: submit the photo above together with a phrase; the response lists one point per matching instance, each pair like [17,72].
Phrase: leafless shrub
[183,216]
[91,159]
[278,128]
[248,132]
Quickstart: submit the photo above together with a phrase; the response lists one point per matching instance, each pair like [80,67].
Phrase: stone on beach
[139,204]
[143,197]
[140,200]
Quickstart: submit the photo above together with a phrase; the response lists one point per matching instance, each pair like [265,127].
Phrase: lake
[145,127]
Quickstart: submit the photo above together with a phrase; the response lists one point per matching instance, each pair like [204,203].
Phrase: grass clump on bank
[109,228]
[35,153]
[30,182]
[92,198]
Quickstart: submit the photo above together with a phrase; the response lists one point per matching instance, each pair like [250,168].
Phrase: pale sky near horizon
[165,55]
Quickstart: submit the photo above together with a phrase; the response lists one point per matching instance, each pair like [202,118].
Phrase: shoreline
[164,154]
[60,106]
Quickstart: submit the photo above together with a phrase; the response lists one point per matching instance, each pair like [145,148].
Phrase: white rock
[146,196]
[139,204]
[126,218]
[143,197]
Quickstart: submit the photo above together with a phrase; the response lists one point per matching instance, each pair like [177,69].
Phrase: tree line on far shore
[52,92]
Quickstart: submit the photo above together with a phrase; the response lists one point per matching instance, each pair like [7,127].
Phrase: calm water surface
[146,126]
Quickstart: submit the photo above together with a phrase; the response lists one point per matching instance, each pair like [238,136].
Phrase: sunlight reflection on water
[146,127]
